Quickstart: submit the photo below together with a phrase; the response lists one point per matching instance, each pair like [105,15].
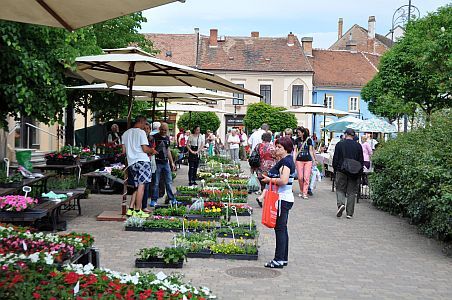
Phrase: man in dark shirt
[347,184]
[165,164]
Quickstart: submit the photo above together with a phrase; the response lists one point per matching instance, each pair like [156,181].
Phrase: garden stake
[26,189]
[183,227]
[227,211]
[77,288]
[6,160]
[233,235]
[251,217]
[24,246]
[234,209]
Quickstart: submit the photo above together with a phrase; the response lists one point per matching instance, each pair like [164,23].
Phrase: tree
[259,113]
[206,120]
[417,69]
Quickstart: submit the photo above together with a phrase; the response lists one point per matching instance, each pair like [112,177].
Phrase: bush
[413,177]
[205,120]
[259,113]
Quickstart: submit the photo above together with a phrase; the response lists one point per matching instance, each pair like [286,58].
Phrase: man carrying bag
[348,163]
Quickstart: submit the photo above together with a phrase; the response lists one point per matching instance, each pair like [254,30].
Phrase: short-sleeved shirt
[133,139]
[234,139]
[284,191]
[299,142]
[162,144]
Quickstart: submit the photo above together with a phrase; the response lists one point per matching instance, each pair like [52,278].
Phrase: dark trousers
[346,190]
[146,195]
[193,164]
[282,236]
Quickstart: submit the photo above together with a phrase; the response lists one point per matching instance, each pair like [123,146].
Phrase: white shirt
[244,139]
[234,139]
[256,138]
[133,139]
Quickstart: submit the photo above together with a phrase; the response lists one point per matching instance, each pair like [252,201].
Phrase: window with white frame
[238,99]
[353,104]
[266,93]
[297,95]
[329,101]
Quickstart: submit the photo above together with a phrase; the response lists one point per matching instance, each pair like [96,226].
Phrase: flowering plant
[16,202]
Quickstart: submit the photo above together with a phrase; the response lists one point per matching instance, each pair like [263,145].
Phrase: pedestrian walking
[267,161]
[195,146]
[348,164]
[256,137]
[281,175]
[304,160]
[234,145]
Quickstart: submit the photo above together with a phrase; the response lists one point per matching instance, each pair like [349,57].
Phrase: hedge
[413,177]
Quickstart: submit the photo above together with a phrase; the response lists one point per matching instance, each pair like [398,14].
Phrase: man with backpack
[348,163]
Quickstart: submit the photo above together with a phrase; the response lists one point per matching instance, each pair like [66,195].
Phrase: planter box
[132,228]
[237,236]
[14,184]
[27,215]
[157,263]
[65,162]
[201,218]
[236,256]
[150,229]
[204,253]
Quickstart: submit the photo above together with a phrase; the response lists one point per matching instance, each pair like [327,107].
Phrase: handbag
[303,154]
[255,159]
[270,208]
[350,166]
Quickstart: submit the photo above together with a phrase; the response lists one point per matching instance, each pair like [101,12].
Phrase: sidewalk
[374,255]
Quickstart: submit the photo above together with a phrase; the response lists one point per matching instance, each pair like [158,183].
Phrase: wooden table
[39,183]
[85,166]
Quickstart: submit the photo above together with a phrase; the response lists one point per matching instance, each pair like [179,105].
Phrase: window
[266,93]
[353,104]
[238,99]
[329,101]
[297,95]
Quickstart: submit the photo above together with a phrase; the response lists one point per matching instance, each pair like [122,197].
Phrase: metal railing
[39,129]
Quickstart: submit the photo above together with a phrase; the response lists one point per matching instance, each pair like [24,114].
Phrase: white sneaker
[340,211]
[349,217]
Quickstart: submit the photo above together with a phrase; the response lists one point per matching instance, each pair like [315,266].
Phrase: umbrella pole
[130,83]
[85,115]
[313,124]
[189,119]
[324,131]
[166,102]
[153,109]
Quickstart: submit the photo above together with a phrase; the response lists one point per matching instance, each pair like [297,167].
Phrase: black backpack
[255,158]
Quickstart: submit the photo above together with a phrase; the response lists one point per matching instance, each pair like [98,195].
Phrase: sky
[276,18]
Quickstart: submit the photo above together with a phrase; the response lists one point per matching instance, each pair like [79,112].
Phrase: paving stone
[374,255]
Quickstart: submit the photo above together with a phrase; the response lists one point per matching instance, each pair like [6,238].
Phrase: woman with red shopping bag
[280,175]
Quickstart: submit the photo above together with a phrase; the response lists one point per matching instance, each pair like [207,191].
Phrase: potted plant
[10,182]
[170,211]
[237,249]
[16,203]
[156,257]
[134,224]
[241,232]
[197,243]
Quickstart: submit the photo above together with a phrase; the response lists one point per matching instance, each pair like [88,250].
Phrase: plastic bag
[253,184]
[315,177]
[271,207]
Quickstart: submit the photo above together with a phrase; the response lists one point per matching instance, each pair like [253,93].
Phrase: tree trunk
[69,124]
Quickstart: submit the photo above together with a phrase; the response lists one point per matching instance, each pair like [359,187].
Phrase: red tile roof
[262,54]
[343,69]
[177,48]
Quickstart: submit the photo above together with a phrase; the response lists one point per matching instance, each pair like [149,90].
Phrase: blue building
[339,76]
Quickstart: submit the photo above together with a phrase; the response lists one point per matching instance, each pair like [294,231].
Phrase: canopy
[337,126]
[191,108]
[317,109]
[72,14]
[374,125]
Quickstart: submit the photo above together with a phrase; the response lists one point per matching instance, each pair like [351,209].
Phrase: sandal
[259,202]
[273,264]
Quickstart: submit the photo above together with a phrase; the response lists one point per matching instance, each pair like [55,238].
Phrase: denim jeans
[193,164]
[282,236]
[164,171]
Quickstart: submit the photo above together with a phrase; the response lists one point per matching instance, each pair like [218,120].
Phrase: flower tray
[236,256]
[157,263]
[201,218]
[15,184]
[133,228]
[150,229]
[204,253]
[27,215]
[237,236]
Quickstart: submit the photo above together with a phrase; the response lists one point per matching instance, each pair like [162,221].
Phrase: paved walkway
[373,256]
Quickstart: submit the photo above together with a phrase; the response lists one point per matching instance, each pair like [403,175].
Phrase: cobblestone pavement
[373,256]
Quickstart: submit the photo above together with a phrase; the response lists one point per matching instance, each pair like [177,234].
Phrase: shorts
[139,173]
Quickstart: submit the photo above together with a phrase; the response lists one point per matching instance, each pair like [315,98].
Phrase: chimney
[306,43]
[197,46]
[213,40]
[351,45]
[290,39]
[340,24]
[371,27]
[255,34]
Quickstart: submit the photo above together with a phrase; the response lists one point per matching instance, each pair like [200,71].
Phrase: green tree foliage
[259,113]
[35,59]
[206,120]
[413,177]
[417,69]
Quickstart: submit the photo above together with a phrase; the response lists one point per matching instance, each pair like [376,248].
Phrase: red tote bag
[270,209]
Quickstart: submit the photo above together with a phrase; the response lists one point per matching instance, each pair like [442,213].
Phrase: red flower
[71,278]
[160,294]
[130,295]
[53,274]
[36,295]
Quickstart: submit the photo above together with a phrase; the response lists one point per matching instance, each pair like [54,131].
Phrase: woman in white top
[234,145]
[195,145]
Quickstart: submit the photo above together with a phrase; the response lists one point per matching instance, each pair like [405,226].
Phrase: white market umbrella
[137,69]
[317,109]
[72,14]
[191,108]
[374,125]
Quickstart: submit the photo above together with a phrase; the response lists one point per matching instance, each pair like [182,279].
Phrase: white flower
[443,29]
[88,268]
[48,259]
[161,276]
[34,257]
